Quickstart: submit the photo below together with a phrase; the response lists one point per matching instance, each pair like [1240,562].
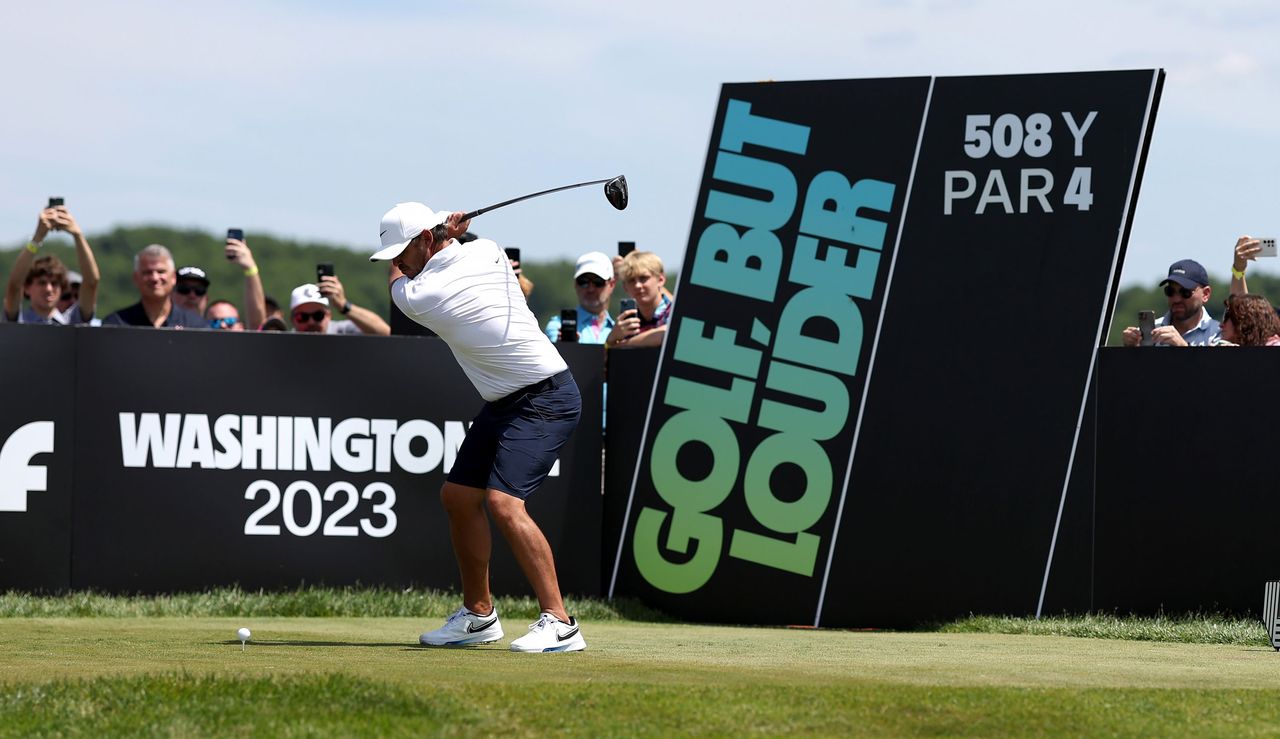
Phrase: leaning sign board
[889,310]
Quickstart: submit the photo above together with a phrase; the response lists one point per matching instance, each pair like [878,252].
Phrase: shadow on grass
[406,646]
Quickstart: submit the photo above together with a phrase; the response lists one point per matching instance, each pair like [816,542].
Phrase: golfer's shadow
[406,646]
[289,643]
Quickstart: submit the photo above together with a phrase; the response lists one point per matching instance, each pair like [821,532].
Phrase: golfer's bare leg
[531,549]
[472,543]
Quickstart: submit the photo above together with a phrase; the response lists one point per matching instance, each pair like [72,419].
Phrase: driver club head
[616,192]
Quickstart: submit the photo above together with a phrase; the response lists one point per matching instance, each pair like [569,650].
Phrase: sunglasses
[1169,291]
[304,316]
[186,289]
[227,322]
[584,280]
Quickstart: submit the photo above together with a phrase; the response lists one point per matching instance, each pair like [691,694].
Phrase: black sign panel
[843,410]
[280,459]
[753,418]
[36,428]
[980,391]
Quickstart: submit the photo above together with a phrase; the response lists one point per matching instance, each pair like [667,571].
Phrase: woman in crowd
[1250,321]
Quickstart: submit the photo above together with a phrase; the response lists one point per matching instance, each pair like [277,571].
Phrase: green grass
[339,676]
[329,662]
[320,602]
[339,705]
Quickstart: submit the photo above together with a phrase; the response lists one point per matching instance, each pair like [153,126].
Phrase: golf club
[615,190]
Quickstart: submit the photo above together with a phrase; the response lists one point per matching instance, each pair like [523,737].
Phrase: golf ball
[243,633]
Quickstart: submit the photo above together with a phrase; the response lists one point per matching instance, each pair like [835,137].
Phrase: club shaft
[486,209]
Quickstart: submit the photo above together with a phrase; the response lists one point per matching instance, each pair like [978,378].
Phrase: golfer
[469,295]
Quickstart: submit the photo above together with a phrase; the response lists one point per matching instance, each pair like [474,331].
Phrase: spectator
[191,290]
[617,270]
[44,280]
[71,295]
[155,277]
[255,298]
[274,323]
[311,314]
[644,279]
[1249,320]
[223,316]
[593,282]
[1187,323]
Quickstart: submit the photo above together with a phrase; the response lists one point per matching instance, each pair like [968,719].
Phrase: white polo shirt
[469,295]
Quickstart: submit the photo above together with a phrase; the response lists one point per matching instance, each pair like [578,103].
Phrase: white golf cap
[307,293]
[596,263]
[402,224]
[74,277]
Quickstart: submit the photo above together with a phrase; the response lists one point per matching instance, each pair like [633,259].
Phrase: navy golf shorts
[512,445]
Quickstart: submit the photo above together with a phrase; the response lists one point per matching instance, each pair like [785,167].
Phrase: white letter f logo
[17,475]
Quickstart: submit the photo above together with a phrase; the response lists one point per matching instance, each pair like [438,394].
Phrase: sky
[308,120]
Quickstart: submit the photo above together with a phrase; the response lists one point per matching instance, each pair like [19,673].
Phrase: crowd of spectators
[41,289]
[1247,319]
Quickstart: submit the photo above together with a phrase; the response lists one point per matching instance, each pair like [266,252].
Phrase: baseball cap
[193,273]
[1187,273]
[402,224]
[596,263]
[307,293]
[74,277]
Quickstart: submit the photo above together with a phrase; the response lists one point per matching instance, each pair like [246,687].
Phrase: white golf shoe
[464,628]
[550,634]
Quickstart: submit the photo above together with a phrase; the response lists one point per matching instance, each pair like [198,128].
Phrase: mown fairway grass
[351,676]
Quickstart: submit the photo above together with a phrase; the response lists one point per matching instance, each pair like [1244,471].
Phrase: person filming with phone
[593,283]
[44,279]
[311,307]
[1187,323]
[643,320]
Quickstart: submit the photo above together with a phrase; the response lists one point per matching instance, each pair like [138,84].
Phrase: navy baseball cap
[1187,273]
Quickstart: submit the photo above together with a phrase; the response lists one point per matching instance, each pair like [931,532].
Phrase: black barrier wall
[263,459]
[1182,488]
[37,429]
[1184,481]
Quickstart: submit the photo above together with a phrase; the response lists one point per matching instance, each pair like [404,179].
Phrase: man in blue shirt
[593,281]
[1187,323]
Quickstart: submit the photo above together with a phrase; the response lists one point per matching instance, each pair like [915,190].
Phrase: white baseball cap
[402,224]
[307,293]
[596,263]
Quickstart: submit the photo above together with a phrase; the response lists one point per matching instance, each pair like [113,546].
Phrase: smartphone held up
[1147,325]
[236,234]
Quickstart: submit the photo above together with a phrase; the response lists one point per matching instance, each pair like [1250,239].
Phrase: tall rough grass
[307,601]
[1191,628]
